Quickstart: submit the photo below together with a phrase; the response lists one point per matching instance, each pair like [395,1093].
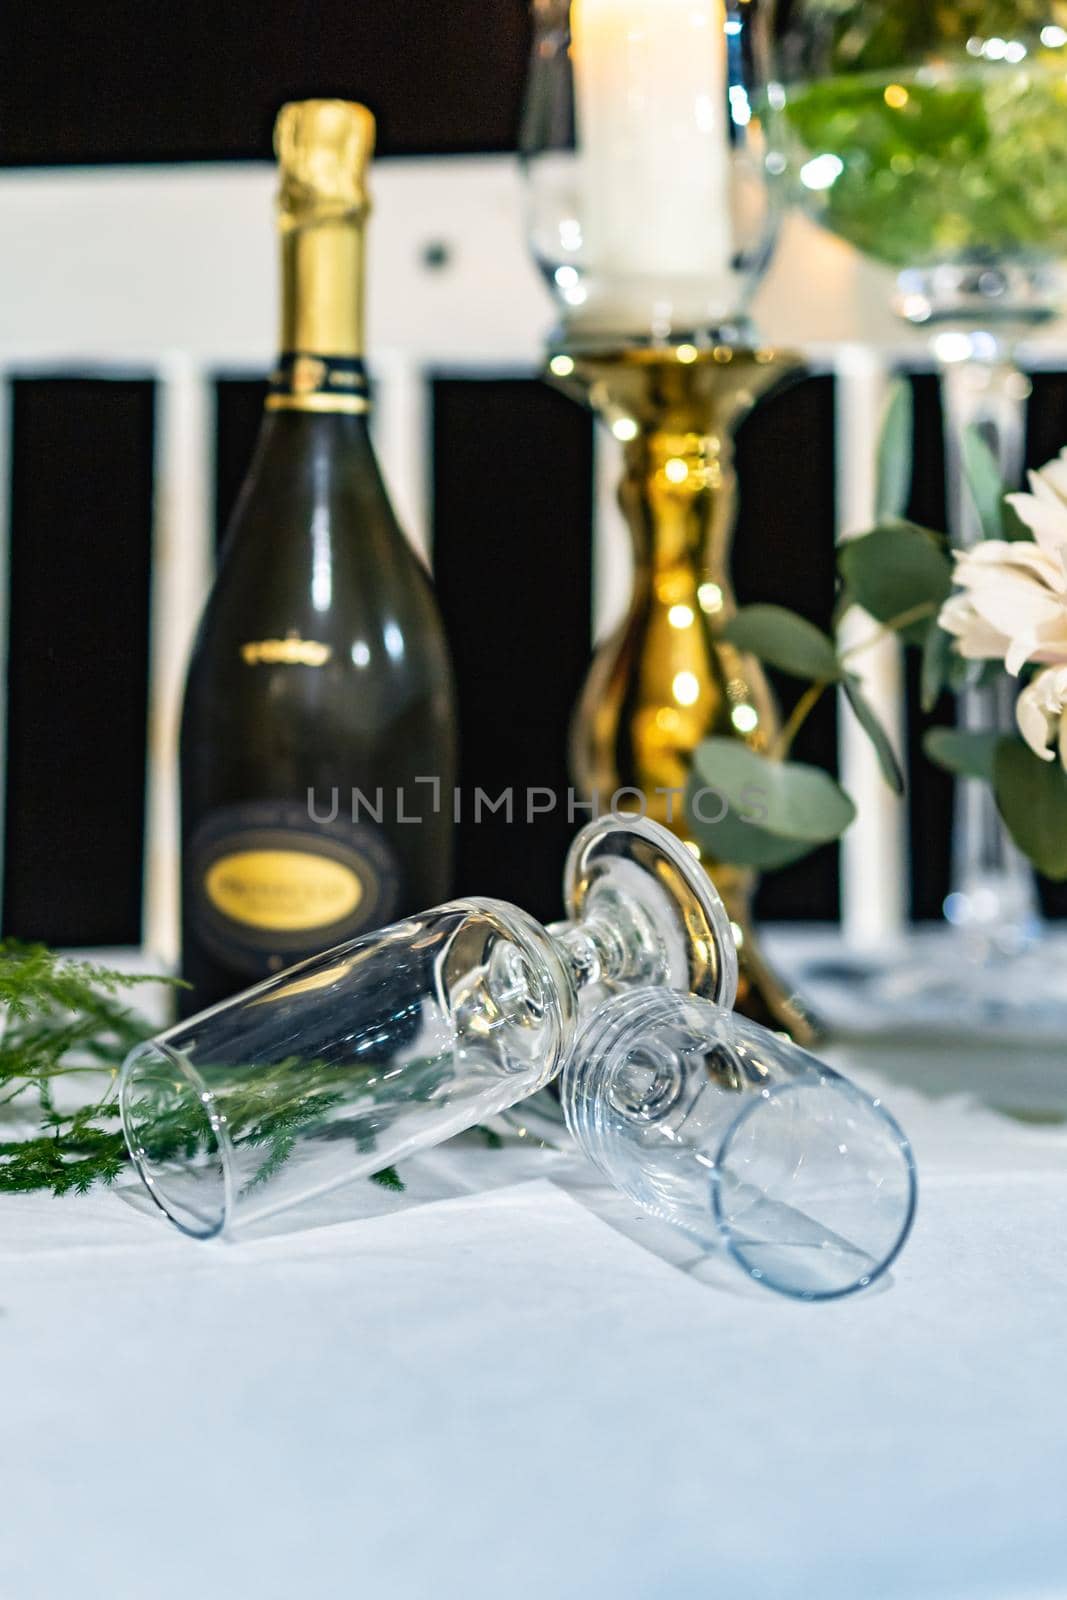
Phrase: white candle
[651,103]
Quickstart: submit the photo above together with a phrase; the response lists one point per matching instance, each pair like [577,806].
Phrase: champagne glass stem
[592,950]
[992,896]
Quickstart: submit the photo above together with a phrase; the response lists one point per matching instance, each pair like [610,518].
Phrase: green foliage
[937,658]
[761,812]
[900,574]
[967,161]
[389,1178]
[65,1027]
[270,1111]
[775,811]
[1014,527]
[872,727]
[984,484]
[63,1023]
[784,640]
[865,34]
[894,454]
[963,753]
[267,1113]
[1032,799]
[35,983]
[62,1160]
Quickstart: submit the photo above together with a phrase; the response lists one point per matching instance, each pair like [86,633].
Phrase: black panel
[195,80]
[238,414]
[512,519]
[78,674]
[929,788]
[784,555]
[1047,418]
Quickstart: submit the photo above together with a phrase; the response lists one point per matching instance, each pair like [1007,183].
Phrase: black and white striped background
[511,464]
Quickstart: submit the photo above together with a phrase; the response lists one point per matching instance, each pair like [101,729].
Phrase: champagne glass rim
[833,1083]
[207,1120]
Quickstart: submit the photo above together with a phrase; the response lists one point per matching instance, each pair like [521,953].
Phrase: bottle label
[268,885]
[282,891]
[319,383]
[292,651]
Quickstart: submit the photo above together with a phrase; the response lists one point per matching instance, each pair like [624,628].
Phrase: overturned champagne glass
[360,1056]
[743,1140]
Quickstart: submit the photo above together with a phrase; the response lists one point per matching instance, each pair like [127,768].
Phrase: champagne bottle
[319,715]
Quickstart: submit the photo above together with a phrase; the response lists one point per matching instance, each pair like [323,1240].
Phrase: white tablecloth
[506,1383]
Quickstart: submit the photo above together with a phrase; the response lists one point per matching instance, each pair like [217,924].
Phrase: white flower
[1012,604]
[1040,713]
[1012,599]
[1044,509]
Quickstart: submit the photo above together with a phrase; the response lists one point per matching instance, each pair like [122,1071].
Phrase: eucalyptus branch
[797,718]
[903,619]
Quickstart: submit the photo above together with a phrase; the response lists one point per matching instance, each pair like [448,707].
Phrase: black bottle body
[318,742]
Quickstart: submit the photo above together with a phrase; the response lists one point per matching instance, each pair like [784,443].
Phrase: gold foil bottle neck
[324,148]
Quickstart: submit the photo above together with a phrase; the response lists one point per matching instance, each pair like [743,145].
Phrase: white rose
[1044,509]
[1040,713]
[1011,603]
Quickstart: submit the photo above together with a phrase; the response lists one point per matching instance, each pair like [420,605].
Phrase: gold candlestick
[667,679]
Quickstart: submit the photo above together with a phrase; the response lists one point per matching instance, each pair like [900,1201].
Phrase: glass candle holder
[748,1143]
[397,1040]
[646,157]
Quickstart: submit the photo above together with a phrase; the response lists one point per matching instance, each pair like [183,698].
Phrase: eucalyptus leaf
[893,570]
[868,720]
[894,454]
[750,810]
[937,660]
[1032,798]
[744,844]
[782,639]
[1015,529]
[984,482]
[959,750]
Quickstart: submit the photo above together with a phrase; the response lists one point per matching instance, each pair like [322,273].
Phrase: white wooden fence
[169,272]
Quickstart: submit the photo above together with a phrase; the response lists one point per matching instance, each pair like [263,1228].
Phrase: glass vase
[933,139]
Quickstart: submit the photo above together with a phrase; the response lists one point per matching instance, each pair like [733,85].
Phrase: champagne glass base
[633,875]
[635,871]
